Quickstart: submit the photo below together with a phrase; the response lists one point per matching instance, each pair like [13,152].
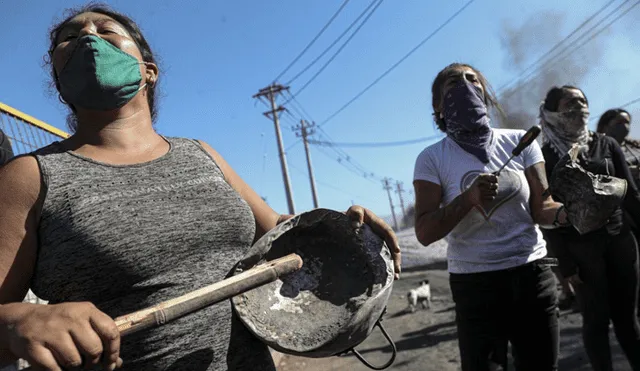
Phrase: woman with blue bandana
[118,218]
[501,283]
[602,265]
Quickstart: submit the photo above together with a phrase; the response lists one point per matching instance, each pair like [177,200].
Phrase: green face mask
[99,76]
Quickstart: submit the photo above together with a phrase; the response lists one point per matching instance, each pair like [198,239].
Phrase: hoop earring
[62,100]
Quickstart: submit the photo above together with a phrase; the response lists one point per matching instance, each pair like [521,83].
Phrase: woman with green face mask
[118,218]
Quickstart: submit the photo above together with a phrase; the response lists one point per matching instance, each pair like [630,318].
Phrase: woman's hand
[483,189]
[70,335]
[360,215]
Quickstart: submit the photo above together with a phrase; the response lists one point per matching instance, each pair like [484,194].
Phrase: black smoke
[524,44]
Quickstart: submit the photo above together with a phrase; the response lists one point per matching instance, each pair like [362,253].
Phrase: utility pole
[400,191]
[270,92]
[387,187]
[304,130]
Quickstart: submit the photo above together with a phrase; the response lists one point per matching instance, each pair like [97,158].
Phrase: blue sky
[216,54]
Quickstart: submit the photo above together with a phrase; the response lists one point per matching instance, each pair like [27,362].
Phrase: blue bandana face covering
[99,76]
[467,120]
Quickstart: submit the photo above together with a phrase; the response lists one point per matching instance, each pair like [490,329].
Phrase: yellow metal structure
[26,132]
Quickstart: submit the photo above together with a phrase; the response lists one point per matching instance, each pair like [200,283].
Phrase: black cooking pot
[330,305]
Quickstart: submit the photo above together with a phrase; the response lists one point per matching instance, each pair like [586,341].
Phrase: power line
[622,106]
[347,160]
[293,121]
[630,103]
[584,23]
[353,169]
[331,186]
[332,44]
[293,145]
[376,144]
[557,59]
[297,103]
[562,55]
[592,37]
[420,44]
[324,28]
[338,51]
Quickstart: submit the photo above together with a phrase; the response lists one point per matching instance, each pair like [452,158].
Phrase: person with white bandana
[602,265]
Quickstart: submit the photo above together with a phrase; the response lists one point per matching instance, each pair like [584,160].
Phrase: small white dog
[421,294]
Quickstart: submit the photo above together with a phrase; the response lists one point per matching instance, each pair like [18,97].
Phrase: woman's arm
[434,222]
[632,198]
[266,218]
[19,193]
[544,210]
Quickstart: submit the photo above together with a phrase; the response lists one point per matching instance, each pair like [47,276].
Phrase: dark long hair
[133,30]
[610,115]
[552,100]
[441,78]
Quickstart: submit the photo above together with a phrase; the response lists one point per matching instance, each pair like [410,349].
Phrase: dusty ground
[427,339]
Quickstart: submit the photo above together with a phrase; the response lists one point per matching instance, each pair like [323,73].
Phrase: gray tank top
[128,237]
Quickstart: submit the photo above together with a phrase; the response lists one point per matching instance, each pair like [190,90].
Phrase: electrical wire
[376,144]
[557,59]
[637,100]
[557,45]
[347,160]
[328,62]
[331,186]
[395,65]
[324,28]
[304,113]
[332,44]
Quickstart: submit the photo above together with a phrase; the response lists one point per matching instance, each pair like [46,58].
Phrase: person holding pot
[602,265]
[501,284]
[117,218]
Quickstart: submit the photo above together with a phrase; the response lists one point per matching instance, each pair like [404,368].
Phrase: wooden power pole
[387,188]
[400,191]
[270,93]
[304,130]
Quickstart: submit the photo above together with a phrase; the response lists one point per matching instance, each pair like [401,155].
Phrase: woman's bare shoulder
[20,181]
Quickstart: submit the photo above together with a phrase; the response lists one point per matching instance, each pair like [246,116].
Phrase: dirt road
[427,339]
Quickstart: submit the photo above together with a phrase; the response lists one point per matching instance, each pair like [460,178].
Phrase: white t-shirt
[501,235]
